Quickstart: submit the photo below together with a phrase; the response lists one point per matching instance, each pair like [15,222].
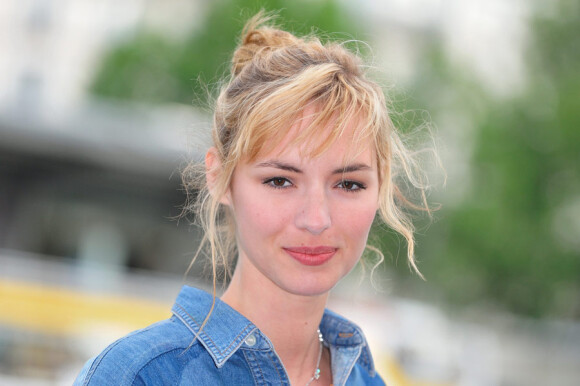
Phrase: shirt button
[251,340]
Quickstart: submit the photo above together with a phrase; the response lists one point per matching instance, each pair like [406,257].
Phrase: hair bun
[258,39]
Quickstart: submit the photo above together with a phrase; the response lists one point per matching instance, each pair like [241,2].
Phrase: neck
[290,321]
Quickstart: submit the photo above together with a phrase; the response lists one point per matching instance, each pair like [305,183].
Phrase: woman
[304,157]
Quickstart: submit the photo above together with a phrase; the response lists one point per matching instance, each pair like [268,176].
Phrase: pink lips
[311,255]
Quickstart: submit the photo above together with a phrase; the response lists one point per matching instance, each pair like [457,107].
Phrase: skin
[302,224]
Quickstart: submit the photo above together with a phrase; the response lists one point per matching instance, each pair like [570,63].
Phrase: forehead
[310,139]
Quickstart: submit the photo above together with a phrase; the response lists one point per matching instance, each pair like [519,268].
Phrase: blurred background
[102,103]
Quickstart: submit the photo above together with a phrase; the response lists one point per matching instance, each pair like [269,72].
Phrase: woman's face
[302,223]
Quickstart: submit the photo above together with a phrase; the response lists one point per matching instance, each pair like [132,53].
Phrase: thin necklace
[317,371]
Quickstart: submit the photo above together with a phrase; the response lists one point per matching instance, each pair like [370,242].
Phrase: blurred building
[51,48]
[91,180]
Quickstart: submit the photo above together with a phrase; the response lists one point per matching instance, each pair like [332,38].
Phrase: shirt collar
[224,331]
[344,334]
[227,330]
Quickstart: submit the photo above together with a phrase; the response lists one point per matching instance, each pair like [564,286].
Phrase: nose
[314,214]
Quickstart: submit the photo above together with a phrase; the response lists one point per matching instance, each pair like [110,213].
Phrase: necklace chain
[317,370]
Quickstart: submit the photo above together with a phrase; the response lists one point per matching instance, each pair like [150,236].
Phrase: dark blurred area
[92,183]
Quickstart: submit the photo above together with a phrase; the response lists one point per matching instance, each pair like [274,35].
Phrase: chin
[314,287]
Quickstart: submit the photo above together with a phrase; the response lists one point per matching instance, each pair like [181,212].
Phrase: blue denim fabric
[230,350]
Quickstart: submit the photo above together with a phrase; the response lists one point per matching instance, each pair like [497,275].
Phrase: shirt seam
[151,360]
[129,374]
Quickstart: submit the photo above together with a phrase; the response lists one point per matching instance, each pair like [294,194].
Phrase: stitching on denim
[276,362]
[223,354]
[183,316]
[365,360]
[151,360]
[254,366]
[199,333]
[237,339]
[337,322]
[99,359]
[348,369]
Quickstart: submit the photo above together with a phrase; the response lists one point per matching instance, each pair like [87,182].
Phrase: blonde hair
[274,77]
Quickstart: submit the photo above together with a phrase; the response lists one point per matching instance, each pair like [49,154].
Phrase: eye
[350,186]
[278,182]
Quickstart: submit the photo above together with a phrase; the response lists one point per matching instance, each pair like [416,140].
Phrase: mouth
[311,255]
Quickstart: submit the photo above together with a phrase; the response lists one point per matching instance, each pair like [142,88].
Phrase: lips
[311,255]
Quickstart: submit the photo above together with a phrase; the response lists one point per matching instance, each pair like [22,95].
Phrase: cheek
[258,214]
[356,223]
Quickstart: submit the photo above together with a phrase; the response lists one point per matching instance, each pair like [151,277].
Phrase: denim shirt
[229,350]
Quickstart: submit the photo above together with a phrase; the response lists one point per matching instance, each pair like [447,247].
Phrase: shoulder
[126,360]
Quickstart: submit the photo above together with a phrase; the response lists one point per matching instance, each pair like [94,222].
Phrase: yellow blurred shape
[395,375]
[53,310]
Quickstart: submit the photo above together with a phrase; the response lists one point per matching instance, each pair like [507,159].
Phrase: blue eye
[278,182]
[350,186]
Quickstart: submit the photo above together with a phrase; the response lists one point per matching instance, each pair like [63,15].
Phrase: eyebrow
[351,168]
[279,165]
[294,169]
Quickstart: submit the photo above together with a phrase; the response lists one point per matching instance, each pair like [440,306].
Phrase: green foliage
[504,241]
[154,69]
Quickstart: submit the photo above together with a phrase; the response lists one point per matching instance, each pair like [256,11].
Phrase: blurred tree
[154,69]
[515,239]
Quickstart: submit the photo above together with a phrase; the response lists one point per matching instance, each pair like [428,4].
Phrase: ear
[213,169]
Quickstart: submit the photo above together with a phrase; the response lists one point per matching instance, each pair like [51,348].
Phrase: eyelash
[359,186]
[271,182]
